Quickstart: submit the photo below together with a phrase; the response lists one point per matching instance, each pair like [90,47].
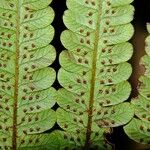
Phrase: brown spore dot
[31,35]
[65,136]
[78,50]
[102,82]
[103,62]
[33,45]
[75,120]
[83,101]
[107,22]
[29,119]
[10,16]
[31,129]
[31,16]
[88,42]
[7,108]
[113,111]
[103,50]
[31,56]
[105,41]
[33,66]
[113,12]
[108,101]
[148,106]
[65,126]
[25,48]
[112,30]
[4,44]
[78,139]
[4,14]
[144,116]
[11,5]
[5,24]
[2,33]
[90,22]
[105,112]
[37,141]
[25,69]
[110,60]
[30,141]
[78,81]
[70,87]
[93,3]
[25,35]
[84,82]
[86,62]
[108,3]
[77,100]
[11,24]
[109,50]
[30,98]
[25,16]
[81,40]
[74,110]
[88,34]
[110,80]
[148,129]
[80,113]
[38,107]
[37,96]
[22,141]
[148,95]
[24,110]
[81,121]
[84,73]
[90,13]
[81,30]
[112,122]
[24,98]
[24,131]
[23,119]
[107,11]
[96,134]
[9,44]
[86,2]
[105,31]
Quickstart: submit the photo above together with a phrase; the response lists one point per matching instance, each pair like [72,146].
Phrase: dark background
[142,16]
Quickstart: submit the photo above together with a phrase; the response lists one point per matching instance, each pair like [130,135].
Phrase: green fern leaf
[139,128]
[26,95]
[94,72]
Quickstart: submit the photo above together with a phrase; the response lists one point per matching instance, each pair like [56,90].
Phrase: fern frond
[139,127]
[26,95]
[94,72]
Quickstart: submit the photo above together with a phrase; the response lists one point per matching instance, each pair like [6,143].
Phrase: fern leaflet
[139,128]
[26,95]
[94,72]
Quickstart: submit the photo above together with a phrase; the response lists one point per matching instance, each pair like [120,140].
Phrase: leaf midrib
[92,88]
[16,83]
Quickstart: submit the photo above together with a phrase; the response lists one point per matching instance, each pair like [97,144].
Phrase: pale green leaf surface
[26,94]
[94,71]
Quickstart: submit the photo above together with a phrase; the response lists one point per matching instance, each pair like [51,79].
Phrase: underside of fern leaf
[26,95]
[94,72]
[139,127]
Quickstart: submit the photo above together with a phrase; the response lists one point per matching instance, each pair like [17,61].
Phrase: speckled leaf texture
[26,95]
[94,72]
[139,128]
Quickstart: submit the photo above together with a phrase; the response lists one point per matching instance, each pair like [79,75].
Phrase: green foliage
[93,72]
[26,95]
[139,128]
